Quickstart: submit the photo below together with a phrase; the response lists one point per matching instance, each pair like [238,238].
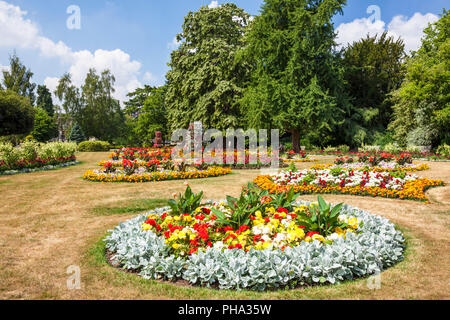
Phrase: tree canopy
[18,79]
[374,67]
[204,82]
[422,103]
[93,106]
[44,100]
[44,126]
[297,81]
[16,114]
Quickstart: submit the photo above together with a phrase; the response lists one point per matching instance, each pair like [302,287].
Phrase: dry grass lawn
[52,220]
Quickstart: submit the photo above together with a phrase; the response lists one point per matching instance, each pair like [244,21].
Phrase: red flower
[226,229]
[243,228]
[151,222]
[206,210]
[192,251]
[302,227]
[311,233]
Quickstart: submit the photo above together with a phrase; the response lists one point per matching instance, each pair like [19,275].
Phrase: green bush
[344,148]
[94,146]
[443,150]
[392,148]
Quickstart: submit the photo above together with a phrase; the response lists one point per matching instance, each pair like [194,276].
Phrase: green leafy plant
[336,171]
[242,208]
[285,199]
[182,166]
[186,203]
[322,218]
[168,165]
[292,167]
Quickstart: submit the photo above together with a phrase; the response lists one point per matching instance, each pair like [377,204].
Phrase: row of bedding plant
[378,162]
[32,156]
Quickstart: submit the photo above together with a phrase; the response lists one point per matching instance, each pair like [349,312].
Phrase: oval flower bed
[255,242]
[141,174]
[340,181]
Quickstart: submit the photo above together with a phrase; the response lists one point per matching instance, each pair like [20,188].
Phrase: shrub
[443,150]
[413,149]
[344,148]
[367,148]
[16,113]
[94,146]
[9,154]
[29,150]
[55,150]
[392,148]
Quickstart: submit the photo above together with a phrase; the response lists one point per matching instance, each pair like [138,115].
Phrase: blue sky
[135,37]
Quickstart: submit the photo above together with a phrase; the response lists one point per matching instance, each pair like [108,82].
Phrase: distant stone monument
[158,138]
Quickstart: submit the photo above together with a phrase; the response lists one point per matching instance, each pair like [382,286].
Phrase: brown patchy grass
[52,220]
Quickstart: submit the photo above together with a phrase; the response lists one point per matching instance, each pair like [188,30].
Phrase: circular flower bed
[140,174]
[340,181]
[256,242]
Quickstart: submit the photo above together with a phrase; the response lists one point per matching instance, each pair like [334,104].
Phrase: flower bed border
[156,176]
[413,190]
[142,163]
[421,167]
[44,168]
[377,247]
[300,160]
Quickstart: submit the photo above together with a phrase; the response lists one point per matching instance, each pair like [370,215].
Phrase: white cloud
[150,78]
[174,44]
[213,4]
[17,31]
[3,68]
[410,30]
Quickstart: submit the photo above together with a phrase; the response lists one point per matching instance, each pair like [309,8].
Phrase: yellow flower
[175,246]
[146,226]
[318,237]
[353,222]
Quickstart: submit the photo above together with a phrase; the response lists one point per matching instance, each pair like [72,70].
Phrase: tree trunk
[295,140]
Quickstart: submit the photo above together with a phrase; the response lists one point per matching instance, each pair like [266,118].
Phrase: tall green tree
[422,103]
[18,79]
[204,82]
[44,126]
[153,116]
[44,100]
[374,67]
[16,114]
[101,115]
[72,102]
[137,99]
[77,134]
[93,106]
[297,83]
